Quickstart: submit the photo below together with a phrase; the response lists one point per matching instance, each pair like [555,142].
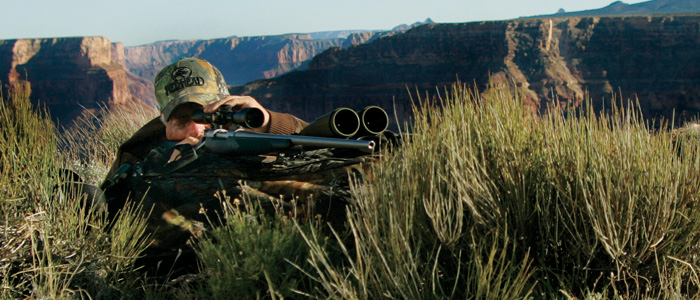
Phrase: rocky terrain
[551,60]
[619,8]
[65,74]
[240,59]
[252,57]
[69,75]
[244,59]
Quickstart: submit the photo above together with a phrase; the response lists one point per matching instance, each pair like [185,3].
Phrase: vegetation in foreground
[483,201]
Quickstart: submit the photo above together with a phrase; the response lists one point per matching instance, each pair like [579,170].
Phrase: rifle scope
[248,117]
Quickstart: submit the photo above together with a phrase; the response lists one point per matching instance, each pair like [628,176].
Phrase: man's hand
[176,153]
[238,103]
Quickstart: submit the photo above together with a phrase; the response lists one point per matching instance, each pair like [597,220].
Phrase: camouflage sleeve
[285,123]
[138,145]
[122,157]
[153,133]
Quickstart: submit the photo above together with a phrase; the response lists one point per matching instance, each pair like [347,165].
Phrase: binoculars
[347,123]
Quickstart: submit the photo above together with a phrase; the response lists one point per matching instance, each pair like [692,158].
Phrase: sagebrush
[483,200]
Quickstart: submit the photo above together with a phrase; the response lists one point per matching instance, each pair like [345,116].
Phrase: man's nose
[196,130]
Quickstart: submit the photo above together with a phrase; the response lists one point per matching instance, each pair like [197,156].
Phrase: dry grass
[487,201]
[91,142]
[54,245]
[483,201]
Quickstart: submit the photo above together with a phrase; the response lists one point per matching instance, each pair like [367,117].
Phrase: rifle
[342,128]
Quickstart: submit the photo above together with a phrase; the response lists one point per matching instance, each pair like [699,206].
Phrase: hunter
[180,89]
[184,202]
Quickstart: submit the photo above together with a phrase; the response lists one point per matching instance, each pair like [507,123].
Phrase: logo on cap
[182,78]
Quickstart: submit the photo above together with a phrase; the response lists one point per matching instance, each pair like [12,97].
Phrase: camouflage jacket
[306,185]
[152,135]
[185,202]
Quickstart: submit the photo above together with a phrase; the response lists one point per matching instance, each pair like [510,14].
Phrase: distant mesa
[404,27]
[240,59]
[337,34]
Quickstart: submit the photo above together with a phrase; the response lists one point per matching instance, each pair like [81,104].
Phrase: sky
[138,22]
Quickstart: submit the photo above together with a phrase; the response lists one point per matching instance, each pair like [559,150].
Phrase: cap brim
[201,99]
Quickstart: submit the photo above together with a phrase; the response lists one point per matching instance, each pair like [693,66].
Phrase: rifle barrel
[307,141]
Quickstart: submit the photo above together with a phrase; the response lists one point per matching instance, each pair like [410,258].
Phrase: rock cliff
[64,74]
[240,59]
[68,75]
[551,60]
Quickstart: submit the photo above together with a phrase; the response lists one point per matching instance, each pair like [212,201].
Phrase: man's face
[180,126]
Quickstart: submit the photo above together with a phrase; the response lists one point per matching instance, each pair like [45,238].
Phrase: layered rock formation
[69,75]
[551,60]
[240,59]
[64,74]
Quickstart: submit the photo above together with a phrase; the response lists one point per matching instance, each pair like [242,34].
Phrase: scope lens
[198,116]
[254,117]
[248,117]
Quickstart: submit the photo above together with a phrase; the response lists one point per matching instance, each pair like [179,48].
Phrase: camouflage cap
[188,80]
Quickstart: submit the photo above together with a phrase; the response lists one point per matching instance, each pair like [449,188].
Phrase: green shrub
[27,154]
[254,256]
[487,200]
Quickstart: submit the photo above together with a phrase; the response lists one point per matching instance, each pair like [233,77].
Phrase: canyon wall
[69,75]
[550,60]
[64,74]
[240,59]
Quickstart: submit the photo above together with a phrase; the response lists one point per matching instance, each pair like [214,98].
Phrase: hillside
[240,59]
[551,60]
[244,59]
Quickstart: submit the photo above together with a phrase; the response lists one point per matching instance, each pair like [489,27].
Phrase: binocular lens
[345,122]
[374,119]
